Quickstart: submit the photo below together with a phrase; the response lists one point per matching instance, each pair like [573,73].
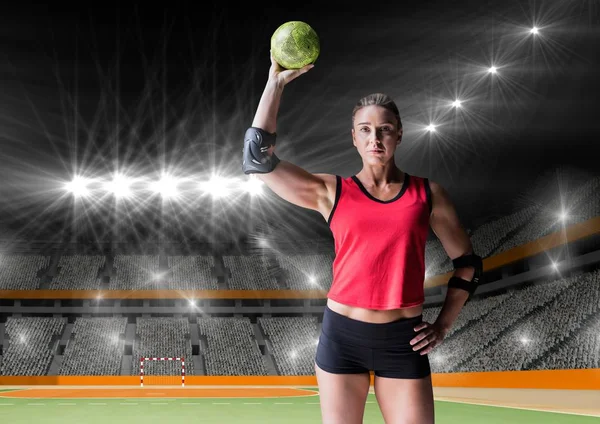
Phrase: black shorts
[349,346]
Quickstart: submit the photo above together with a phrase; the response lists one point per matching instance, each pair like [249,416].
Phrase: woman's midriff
[372,315]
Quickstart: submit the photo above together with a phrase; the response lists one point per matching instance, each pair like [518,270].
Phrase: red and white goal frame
[164,379]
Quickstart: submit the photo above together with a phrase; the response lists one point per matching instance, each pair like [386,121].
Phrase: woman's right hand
[281,75]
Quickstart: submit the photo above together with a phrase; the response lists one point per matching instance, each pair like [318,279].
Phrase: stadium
[225,325]
[144,278]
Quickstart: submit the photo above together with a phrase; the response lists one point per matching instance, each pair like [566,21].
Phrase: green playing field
[301,410]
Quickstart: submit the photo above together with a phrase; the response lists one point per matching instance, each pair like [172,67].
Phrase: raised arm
[288,181]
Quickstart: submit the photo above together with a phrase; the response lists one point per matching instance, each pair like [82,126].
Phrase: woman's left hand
[430,336]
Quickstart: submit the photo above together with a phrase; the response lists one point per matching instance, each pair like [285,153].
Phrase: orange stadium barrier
[576,379]
[162,294]
[570,234]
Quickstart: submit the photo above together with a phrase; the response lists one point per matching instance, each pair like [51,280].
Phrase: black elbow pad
[463,262]
[459,283]
[255,159]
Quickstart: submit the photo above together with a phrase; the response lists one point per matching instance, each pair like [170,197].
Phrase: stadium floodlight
[166,186]
[535,30]
[253,186]
[555,265]
[119,186]
[78,186]
[430,128]
[456,103]
[217,186]
[563,216]
[493,70]
[192,303]
[312,279]
[262,242]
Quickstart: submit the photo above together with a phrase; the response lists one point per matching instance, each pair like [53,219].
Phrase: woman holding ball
[380,219]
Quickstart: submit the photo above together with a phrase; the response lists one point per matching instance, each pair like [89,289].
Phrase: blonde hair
[378,99]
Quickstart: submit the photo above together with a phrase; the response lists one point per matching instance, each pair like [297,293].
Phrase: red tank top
[379,245]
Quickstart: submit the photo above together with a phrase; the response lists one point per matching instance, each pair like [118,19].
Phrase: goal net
[162,372]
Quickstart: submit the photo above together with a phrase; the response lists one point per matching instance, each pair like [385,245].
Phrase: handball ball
[295,44]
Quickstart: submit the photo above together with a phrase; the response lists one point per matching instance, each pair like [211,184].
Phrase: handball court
[277,404]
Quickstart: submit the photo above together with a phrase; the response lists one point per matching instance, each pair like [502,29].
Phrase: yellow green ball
[295,44]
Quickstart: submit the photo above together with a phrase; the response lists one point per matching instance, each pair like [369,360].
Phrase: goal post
[162,371]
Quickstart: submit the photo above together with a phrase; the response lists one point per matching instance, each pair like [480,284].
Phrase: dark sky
[90,89]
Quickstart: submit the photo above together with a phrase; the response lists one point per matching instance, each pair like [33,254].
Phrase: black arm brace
[463,262]
[255,159]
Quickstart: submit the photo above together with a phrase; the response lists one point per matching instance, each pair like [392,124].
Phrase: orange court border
[121,392]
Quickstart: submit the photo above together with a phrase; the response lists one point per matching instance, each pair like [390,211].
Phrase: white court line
[555,411]
[6,404]
[312,394]
[252,403]
[283,403]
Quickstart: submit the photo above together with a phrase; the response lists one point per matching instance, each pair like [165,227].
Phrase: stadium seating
[307,272]
[191,273]
[293,342]
[29,350]
[78,272]
[230,348]
[95,347]
[250,273]
[19,272]
[551,324]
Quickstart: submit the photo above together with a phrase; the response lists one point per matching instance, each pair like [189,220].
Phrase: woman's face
[375,134]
